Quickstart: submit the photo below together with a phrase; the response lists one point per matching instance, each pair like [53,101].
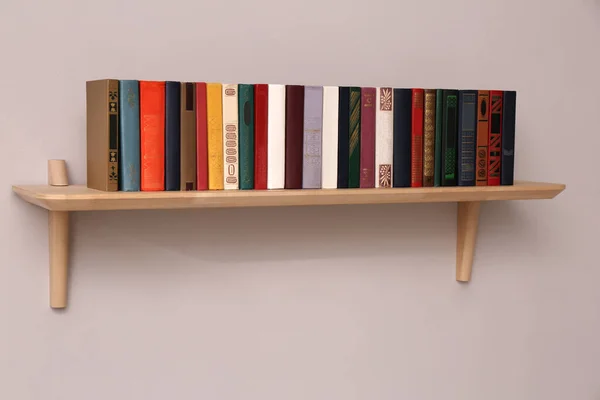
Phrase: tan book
[230,136]
[188,137]
[102,126]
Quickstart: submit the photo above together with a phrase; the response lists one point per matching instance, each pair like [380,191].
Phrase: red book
[201,137]
[495,138]
[367,137]
[294,135]
[261,114]
[152,135]
[416,164]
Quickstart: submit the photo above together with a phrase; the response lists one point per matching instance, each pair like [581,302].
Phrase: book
[201,137]
[246,143]
[509,112]
[294,136]
[402,137]
[439,118]
[367,139]
[467,128]
[483,131]
[416,177]
[276,137]
[230,137]
[188,179]
[429,138]
[214,115]
[261,121]
[384,137]
[354,139]
[152,135]
[312,137]
[495,138]
[343,166]
[172,135]
[129,138]
[449,137]
[330,137]
[102,126]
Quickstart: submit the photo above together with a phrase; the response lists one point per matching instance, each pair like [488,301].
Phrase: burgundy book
[261,114]
[416,175]
[367,137]
[201,137]
[294,135]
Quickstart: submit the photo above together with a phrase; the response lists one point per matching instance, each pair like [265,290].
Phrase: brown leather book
[429,138]
[294,136]
[102,126]
[188,136]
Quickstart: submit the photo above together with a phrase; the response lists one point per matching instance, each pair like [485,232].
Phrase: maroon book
[416,167]
[367,137]
[294,135]
[261,114]
[201,137]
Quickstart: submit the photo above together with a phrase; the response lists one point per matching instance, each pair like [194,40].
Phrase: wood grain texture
[468,220]
[58,245]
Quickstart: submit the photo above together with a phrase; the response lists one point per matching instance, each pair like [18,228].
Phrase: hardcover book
[246,144]
[508,137]
[313,130]
[152,135]
[384,137]
[354,139]
[129,138]
[214,115]
[495,138]
[439,118]
[343,166]
[201,137]
[172,135]
[367,140]
[483,131]
[276,137]
[449,137]
[402,139]
[467,126]
[416,179]
[330,137]
[230,136]
[188,179]
[429,138]
[294,136]
[261,119]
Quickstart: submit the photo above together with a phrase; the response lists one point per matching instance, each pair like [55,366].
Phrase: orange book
[152,135]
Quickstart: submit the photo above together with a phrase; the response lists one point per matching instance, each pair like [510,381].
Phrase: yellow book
[214,114]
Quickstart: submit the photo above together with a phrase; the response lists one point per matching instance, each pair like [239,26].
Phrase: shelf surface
[80,198]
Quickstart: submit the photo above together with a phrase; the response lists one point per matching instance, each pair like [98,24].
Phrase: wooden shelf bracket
[466,233]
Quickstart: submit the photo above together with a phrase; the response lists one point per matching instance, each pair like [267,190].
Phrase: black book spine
[508,138]
[449,137]
[467,131]
[172,135]
[343,137]
[402,137]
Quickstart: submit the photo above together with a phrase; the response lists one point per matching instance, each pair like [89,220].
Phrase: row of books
[156,135]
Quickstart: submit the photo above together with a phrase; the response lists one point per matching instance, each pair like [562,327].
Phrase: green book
[437,174]
[449,137]
[354,145]
[246,129]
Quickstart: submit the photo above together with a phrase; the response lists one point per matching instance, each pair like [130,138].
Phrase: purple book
[313,128]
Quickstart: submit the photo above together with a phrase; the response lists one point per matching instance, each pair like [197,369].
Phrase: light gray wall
[331,303]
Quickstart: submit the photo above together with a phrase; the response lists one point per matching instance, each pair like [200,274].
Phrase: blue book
[129,138]
[467,136]
[172,135]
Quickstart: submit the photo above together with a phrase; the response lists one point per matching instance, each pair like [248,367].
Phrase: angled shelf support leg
[468,221]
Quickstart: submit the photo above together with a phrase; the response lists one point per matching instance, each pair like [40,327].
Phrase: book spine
[214,116]
[508,137]
[449,137]
[483,129]
[172,135]
[129,138]
[367,142]
[402,141]
[313,137]
[354,140]
[152,135]
[294,136]
[188,179]
[246,144]
[439,118]
[467,127]
[201,137]
[330,137]
[429,138]
[343,165]
[230,136]
[416,179]
[276,137]
[261,118]
[384,136]
[495,138]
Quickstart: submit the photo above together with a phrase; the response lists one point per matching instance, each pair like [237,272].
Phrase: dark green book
[449,137]
[437,174]
[246,129]
[354,145]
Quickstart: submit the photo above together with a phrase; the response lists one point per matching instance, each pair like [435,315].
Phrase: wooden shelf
[61,200]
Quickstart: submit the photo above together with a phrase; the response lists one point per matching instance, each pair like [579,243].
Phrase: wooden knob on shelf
[57,173]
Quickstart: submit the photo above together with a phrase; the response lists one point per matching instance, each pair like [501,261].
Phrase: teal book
[129,139]
[246,129]
[437,173]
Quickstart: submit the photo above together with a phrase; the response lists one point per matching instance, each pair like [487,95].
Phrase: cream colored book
[230,137]
[276,137]
[384,137]
[330,137]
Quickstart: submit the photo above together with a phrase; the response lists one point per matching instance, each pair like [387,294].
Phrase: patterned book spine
[483,130]
[354,140]
[230,136]
[294,136]
[495,138]
[467,127]
[449,137]
[188,137]
[439,118]
[384,137]
[508,137]
[214,115]
[330,137]
[172,135]
[246,144]
[367,140]
[276,137]
[261,117]
[129,139]
[201,137]
[429,138]
[313,137]
[416,176]
[152,135]
[402,132]
[343,166]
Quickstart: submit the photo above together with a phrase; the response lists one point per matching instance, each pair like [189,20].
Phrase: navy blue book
[172,135]
[343,137]
[507,162]
[402,137]
[467,136]
[129,138]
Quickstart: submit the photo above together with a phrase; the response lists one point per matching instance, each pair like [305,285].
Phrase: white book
[384,137]
[276,137]
[230,137]
[331,98]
